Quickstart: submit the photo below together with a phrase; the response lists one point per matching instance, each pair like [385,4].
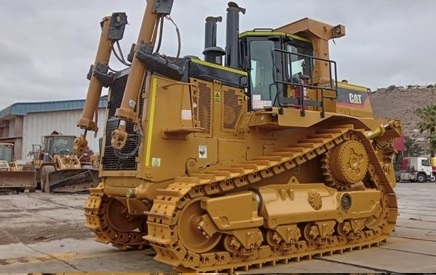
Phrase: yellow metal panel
[352,87]
[150,123]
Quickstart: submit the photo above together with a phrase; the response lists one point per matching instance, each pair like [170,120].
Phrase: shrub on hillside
[391,88]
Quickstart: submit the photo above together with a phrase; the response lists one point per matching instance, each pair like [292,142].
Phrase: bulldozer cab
[6,152]
[59,144]
[282,72]
[279,65]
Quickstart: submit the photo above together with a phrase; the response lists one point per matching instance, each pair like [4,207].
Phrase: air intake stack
[232,35]
[211,52]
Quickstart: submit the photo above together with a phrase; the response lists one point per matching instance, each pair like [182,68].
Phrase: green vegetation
[432,143]
[391,88]
[412,149]
[427,123]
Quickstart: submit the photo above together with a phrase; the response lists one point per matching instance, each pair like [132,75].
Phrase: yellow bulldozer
[58,169]
[254,155]
[12,175]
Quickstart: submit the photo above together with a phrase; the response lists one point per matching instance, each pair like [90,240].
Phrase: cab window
[298,63]
[425,162]
[262,85]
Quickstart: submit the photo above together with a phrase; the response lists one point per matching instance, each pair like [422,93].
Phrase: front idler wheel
[190,234]
[119,218]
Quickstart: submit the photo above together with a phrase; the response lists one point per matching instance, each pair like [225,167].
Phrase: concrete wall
[37,125]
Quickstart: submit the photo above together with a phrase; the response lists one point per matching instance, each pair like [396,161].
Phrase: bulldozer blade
[73,180]
[17,180]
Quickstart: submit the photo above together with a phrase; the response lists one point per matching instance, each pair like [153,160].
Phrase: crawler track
[170,204]
[97,219]
[163,222]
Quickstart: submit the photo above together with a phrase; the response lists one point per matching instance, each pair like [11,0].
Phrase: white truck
[416,169]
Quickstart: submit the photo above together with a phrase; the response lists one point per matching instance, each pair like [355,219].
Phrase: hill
[401,103]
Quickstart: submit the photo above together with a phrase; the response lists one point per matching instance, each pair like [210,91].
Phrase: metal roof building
[26,123]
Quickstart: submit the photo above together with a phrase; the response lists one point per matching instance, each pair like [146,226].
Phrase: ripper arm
[112,31]
[155,10]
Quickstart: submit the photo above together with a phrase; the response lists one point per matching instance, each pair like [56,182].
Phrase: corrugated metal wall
[11,132]
[37,125]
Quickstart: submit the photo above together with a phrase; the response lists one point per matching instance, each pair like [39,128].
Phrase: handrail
[282,100]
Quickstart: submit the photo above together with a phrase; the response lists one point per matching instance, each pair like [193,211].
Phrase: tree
[432,143]
[427,123]
[412,149]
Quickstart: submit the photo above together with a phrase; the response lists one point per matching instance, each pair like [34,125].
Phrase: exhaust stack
[211,52]
[211,31]
[232,35]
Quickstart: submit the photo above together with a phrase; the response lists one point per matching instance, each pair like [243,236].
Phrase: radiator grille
[110,160]
[232,109]
[204,112]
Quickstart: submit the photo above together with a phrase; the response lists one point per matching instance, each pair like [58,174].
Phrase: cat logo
[355,98]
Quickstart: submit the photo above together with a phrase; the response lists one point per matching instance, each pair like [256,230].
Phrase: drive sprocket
[345,165]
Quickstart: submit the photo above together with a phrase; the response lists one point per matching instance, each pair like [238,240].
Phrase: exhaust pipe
[211,52]
[211,31]
[232,35]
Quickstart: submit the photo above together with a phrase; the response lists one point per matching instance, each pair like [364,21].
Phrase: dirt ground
[29,218]
[44,233]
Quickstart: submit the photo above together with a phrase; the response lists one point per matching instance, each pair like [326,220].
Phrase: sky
[47,46]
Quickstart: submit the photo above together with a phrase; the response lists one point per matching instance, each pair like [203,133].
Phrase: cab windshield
[425,162]
[60,145]
[265,79]
[6,153]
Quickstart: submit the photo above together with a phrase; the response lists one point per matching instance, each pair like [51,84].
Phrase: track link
[96,213]
[170,202]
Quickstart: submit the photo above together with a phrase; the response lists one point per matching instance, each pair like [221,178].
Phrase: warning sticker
[155,162]
[186,115]
[217,97]
[258,103]
[202,151]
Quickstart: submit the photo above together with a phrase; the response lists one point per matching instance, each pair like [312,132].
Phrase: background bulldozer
[14,176]
[58,169]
